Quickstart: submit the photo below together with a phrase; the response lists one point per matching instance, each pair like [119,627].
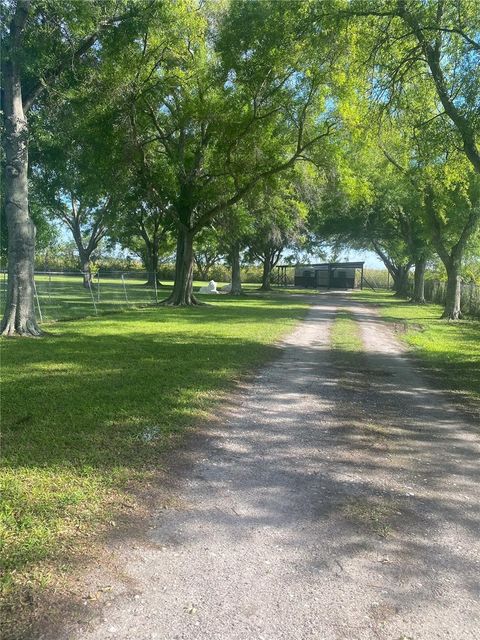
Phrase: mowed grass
[63,297]
[90,409]
[345,335]
[348,356]
[448,350]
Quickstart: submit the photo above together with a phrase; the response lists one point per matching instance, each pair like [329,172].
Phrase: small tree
[278,222]
[144,229]
[74,174]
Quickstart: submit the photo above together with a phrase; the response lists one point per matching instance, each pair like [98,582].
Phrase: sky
[348,255]
[371,259]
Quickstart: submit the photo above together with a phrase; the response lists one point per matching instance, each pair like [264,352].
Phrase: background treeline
[63,257]
[239,132]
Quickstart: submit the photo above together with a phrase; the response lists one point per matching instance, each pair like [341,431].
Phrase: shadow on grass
[379,440]
[112,396]
[97,402]
[76,394]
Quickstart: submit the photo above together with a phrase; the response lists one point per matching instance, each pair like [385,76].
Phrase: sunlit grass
[345,334]
[93,406]
[63,297]
[450,350]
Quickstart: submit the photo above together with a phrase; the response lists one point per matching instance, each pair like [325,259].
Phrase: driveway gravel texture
[336,498]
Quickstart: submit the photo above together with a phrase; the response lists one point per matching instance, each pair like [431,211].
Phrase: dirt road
[336,501]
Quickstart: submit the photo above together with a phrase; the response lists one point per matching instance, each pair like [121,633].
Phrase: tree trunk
[400,280]
[19,317]
[87,272]
[236,278]
[152,258]
[452,309]
[266,275]
[451,259]
[419,281]
[182,294]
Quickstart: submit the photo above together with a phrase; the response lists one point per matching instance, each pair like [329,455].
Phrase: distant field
[448,350]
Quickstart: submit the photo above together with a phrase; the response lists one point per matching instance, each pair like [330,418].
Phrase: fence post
[38,301]
[124,288]
[155,285]
[93,296]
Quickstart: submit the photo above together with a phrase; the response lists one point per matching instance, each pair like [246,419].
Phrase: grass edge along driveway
[89,411]
[449,351]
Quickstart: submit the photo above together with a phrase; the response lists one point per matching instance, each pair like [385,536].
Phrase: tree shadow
[346,459]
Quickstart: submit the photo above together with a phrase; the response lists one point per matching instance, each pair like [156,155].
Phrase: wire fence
[436,291]
[62,295]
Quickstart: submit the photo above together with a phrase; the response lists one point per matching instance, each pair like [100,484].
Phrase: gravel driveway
[332,502]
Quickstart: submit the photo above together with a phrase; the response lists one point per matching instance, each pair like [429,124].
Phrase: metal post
[38,301]
[93,297]
[124,288]
[155,285]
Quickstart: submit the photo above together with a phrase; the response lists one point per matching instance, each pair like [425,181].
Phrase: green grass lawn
[89,409]
[448,350]
[345,336]
[63,297]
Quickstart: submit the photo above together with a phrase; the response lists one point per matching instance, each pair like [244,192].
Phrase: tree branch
[82,47]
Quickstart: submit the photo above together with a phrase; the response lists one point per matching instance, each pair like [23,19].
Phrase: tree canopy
[166,125]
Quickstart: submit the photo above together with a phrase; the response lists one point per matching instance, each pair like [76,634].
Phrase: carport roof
[344,265]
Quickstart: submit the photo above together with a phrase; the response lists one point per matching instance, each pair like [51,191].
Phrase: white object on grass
[210,288]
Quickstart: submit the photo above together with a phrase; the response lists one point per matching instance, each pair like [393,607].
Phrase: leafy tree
[208,251]
[451,239]
[41,41]
[213,114]
[142,228]
[278,222]
[370,204]
[234,236]
[448,189]
[69,186]
[425,63]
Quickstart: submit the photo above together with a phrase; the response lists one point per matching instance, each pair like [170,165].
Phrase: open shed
[328,275]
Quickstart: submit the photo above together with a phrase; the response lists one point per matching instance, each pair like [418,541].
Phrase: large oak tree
[42,42]
[222,102]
